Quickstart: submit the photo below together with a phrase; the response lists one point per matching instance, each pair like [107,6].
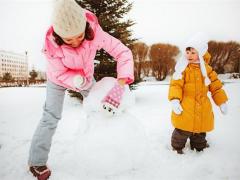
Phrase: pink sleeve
[121,53]
[64,75]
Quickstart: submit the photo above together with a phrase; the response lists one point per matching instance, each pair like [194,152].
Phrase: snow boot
[179,151]
[40,172]
[198,149]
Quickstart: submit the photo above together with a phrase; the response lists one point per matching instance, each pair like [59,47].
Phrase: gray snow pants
[52,112]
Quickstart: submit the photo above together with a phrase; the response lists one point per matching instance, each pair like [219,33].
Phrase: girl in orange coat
[192,114]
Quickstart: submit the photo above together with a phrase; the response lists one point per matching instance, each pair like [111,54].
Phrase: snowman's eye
[104,107]
[109,109]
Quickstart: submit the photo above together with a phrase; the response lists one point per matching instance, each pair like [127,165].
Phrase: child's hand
[224,109]
[113,98]
[176,106]
[78,81]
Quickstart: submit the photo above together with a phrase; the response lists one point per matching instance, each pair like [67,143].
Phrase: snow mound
[113,145]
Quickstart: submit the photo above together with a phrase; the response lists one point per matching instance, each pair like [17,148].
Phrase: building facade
[15,64]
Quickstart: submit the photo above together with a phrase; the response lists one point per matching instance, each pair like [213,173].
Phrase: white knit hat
[68,18]
[200,43]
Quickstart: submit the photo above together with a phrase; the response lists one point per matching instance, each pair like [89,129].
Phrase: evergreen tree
[110,15]
[33,75]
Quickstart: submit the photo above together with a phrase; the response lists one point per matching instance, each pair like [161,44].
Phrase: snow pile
[152,108]
[113,145]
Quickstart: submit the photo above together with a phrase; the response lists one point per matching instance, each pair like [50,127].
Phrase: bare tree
[163,59]
[225,56]
[140,51]
[147,67]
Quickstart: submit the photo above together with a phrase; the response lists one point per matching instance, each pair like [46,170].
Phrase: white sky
[24,23]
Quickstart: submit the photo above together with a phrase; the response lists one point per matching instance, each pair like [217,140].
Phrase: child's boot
[40,172]
[198,142]
[179,151]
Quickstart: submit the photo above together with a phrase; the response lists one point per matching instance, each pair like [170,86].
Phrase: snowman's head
[108,110]
[93,103]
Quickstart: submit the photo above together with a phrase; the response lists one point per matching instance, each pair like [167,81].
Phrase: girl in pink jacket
[70,48]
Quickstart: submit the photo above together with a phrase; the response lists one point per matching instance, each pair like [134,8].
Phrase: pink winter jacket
[65,62]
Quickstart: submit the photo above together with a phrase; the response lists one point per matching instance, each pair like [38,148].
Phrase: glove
[176,106]
[78,81]
[112,100]
[223,108]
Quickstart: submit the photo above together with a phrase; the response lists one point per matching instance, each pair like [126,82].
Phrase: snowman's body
[110,145]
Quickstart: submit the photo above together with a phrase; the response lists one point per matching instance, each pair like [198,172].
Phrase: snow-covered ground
[21,109]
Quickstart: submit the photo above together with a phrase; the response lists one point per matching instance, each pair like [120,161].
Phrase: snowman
[113,141]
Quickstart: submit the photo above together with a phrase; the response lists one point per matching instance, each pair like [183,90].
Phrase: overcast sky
[24,23]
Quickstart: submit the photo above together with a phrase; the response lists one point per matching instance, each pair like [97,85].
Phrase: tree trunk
[239,66]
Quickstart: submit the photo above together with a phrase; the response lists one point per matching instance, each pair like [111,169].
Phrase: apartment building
[15,64]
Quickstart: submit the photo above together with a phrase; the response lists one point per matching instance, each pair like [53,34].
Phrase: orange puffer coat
[197,115]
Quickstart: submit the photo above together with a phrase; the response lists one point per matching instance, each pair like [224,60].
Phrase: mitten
[224,109]
[113,99]
[176,106]
[78,81]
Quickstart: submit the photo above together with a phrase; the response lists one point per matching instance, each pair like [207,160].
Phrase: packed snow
[135,145]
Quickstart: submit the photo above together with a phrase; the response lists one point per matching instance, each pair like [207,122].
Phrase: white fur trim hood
[199,42]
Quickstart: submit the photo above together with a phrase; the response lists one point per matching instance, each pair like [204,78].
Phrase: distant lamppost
[26,59]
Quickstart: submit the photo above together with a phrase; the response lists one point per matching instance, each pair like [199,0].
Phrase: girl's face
[75,41]
[192,55]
